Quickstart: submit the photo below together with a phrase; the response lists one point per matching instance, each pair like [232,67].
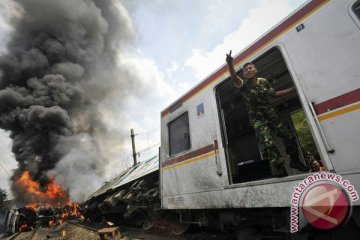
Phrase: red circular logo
[325,206]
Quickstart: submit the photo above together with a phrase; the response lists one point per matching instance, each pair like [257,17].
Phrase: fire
[52,192]
[32,205]
[50,201]
[69,210]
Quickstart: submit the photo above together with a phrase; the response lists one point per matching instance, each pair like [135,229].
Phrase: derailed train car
[18,219]
[133,196]
[212,171]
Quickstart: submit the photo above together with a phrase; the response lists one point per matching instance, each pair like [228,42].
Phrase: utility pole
[133,145]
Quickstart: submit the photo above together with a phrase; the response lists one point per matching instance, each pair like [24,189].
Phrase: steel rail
[14,236]
[84,226]
[32,234]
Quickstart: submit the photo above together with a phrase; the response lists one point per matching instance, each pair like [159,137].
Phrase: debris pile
[30,217]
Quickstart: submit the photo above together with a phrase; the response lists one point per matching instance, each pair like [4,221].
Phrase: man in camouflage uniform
[264,118]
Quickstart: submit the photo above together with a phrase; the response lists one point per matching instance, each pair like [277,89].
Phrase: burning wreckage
[48,207]
[28,218]
[132,197]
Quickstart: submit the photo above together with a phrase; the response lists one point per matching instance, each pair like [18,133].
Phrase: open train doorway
[245,160]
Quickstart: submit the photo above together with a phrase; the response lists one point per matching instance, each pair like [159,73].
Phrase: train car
[133,196]
[211,165]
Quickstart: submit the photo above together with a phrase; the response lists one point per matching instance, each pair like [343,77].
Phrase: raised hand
[229,59]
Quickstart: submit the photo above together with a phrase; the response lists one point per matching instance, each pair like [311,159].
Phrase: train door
[245,158]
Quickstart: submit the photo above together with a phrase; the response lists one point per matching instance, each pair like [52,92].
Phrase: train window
[356,9]
[179,135]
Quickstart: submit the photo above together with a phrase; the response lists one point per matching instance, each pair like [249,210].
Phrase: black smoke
[61,61]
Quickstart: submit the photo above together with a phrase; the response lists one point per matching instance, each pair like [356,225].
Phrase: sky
[177,44]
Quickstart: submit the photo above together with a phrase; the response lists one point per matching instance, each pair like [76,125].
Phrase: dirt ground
[67,231]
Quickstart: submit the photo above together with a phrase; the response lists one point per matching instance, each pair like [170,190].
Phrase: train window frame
[186,134]
[354,11]
[273,64]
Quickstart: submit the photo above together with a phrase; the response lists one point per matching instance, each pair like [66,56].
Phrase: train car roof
[129,175]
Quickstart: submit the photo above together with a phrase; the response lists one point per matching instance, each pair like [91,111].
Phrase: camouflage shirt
[256,95]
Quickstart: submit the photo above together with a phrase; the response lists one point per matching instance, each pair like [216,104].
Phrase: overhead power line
[2,166]
[151,131]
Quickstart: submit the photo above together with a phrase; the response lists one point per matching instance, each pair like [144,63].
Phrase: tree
[3,198]
[303,133]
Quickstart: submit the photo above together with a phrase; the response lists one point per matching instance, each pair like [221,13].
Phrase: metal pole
[321,131]
[133,145]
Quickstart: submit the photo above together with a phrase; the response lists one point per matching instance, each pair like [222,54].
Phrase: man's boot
[295,163]
[279,171]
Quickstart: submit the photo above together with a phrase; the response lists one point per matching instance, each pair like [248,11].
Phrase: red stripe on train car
[338,102]
[190,155]
[268,37]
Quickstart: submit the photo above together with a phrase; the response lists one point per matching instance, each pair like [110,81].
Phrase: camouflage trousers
[265,122]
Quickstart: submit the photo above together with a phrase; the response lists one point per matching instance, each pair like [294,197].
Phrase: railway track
[152,234]
[23,235]
[77,230]
[13,236]
[130,232]
[32,234]
[94,229]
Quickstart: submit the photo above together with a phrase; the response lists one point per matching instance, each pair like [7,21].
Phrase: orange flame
[51,192]
[49,196]
[32,205]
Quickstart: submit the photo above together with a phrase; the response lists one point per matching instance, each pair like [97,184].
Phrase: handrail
[217,160]
[322,134]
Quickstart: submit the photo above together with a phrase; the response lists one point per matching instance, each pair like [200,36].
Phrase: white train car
[209,156]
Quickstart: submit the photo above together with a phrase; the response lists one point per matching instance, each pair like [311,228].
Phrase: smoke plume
[61,63]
